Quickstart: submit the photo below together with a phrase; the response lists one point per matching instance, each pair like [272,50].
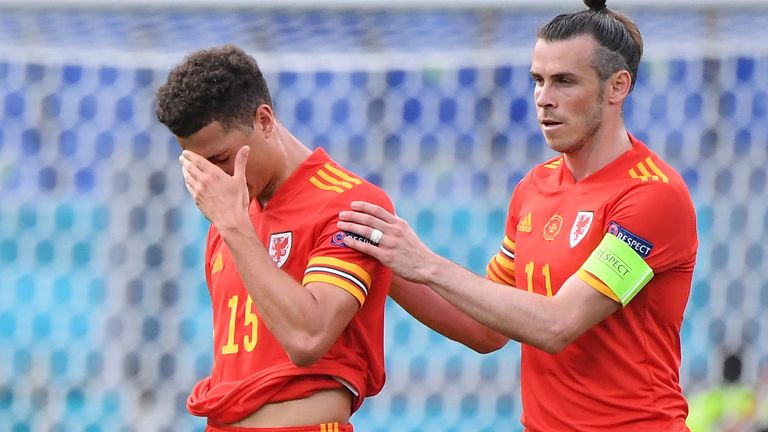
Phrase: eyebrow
[556,76]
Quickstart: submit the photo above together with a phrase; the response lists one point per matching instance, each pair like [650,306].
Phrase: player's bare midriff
[325,406]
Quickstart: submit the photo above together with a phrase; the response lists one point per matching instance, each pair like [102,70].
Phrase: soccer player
[600,244]
[297,314]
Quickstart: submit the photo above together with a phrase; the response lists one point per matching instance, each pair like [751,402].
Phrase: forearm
[435,312]
[548,323]
[284,305]
[525,317]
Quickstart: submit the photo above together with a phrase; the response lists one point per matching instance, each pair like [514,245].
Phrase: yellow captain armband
[615,267]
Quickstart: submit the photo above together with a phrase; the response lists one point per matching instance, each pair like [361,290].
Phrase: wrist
[432,268]
[238,226]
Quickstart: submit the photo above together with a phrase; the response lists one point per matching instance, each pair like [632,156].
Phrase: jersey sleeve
[501,267]
[658,221]
[331,261]
[649,230]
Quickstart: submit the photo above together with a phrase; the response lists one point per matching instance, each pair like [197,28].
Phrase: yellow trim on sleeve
[505,262]
[350,267]
[509,244]
[336,281]
[497,275]
[342,174]
[323,186]
[597,284]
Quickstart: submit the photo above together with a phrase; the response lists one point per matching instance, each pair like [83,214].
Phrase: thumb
[241,160]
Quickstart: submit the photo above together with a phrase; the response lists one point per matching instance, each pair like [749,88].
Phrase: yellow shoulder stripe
[342,175]
[325,176]
[554,164]
[333,179]
[648,170]
[656,169]
[323,186]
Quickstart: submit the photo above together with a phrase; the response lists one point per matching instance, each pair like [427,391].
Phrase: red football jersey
[298,227]
[622,374]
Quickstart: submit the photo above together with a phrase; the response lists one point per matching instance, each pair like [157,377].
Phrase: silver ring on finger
[376,236]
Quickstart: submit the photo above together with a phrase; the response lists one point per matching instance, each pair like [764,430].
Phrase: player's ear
[264,119]
[618,86]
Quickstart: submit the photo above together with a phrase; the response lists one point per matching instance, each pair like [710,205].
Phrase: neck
[605,147]
[293,152]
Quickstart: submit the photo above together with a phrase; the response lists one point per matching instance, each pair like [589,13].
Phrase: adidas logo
[525,223]
[218,264]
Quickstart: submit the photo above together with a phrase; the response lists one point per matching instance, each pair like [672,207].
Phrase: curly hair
[221,84]
[619,40]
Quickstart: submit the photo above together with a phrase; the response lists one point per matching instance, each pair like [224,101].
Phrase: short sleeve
[331,261]
[501,267]
[659,222]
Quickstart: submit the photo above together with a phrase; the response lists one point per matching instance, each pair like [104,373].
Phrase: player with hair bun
[595,265]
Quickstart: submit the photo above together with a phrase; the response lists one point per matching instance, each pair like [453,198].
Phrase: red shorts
[325,427]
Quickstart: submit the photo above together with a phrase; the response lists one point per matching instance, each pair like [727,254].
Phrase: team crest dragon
[581,226]
[280,247]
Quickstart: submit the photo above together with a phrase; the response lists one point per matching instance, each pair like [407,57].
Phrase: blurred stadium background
[104,313]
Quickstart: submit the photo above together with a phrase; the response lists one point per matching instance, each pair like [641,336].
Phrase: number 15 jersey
[298,229]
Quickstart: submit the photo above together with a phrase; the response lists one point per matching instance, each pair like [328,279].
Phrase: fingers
[373,210]
[361,219]
[364,247]
[188,166]
[361,230]
[241,160]
[192,184]
[192,159]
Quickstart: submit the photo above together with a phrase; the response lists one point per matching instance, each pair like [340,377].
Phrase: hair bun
[595,5]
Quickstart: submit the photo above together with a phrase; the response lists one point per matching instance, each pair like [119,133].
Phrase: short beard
[594,120]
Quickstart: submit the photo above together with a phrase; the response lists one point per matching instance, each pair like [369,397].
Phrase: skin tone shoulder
[581,117]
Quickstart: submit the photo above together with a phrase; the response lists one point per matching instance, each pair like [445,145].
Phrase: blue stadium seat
[45,253]
[71,74]
[7,329]
[78,327]
[30,142]
[59,364]
[14,105]
[461,220]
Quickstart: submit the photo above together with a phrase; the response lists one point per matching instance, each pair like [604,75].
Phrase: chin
[563,146]
[556,145]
